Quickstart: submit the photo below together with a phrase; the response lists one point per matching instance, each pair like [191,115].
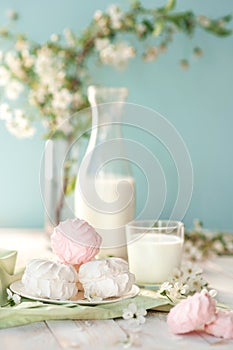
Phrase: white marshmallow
[105,278]
[48,279]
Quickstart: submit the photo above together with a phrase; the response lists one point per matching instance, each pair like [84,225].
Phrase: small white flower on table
[14,299]
[165,287]
[135,315]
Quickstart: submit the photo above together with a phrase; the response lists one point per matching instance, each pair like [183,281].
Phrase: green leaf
[184,21]
[219,31]
[226,18]
[158,28]
[135,4]
[170,5]
[148,24]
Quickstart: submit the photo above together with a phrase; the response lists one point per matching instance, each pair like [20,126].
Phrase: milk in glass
[153,256]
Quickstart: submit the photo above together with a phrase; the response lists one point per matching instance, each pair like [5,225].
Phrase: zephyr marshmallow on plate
[48,279]
[106,278]
[75,242]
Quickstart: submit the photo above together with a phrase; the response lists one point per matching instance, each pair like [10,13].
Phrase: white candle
[153,256]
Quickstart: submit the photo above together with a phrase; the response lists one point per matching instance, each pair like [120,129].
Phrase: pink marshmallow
[75,242]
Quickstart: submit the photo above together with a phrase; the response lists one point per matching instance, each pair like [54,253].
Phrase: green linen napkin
[32,311]
[29,311]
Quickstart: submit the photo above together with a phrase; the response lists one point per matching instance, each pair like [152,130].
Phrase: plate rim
[16,285]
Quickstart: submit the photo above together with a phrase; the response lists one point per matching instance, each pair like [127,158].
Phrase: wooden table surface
[108,334]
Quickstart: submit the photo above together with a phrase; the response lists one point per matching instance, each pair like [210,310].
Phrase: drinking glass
[154,249]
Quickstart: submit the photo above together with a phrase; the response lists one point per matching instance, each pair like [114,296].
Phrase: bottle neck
[106,123]
[99,95]
[107,106]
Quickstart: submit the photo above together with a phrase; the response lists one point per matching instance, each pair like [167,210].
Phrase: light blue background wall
[199,103]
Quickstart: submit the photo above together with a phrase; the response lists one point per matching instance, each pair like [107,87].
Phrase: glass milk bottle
[105,190]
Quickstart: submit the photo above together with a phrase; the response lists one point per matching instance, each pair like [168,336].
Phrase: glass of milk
[154,249]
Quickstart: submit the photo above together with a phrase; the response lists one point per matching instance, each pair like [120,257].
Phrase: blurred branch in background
[203,244]
[49,81]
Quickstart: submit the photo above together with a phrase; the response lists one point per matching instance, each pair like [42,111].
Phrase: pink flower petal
[192,313]
[222,326]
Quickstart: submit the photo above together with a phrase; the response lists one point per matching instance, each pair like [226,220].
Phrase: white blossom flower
[204,21]
[12,59]
[165,287]
[117,55]
[4,76]
[229,246]
[151,54]
[52,74]
[140,28]
[19,125]
[178,290]
[28,59]
[21,45]
[45,65]
[54,38]
[5,112]
[192,276]
[184,281]
[43,61]
[101,43]
[190,271]
[103,25]
[134,314]
[191,252]
[63,124]
[98,15]
[49,69]
[196,284]
[12,14]
[14,299]
[62,99]
[37,96]
[14,64]
[116,16]
[13,89]
[218,246]
[70,39]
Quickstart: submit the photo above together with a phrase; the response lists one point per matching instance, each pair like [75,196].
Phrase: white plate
[18,288]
